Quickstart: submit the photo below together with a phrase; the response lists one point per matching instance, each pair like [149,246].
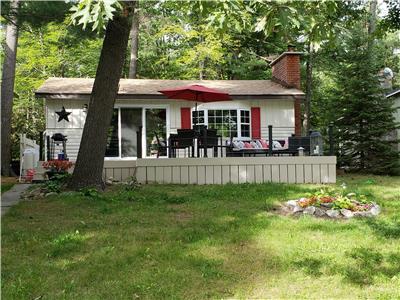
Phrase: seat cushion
[264,144]
[247,145]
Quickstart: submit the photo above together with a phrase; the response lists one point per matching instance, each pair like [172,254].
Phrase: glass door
[156,131]
[131,125]
[125,129]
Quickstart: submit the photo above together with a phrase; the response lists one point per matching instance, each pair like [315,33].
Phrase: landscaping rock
[50,194]
[297,208]
[292,203]
[375,210]
[362,214]
[319,212]
[310,210]
[292,207]
[347,213]
[332,213]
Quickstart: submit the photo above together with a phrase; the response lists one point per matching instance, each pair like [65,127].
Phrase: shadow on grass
[312,266]
[385,228]
[368,263]
[361,268]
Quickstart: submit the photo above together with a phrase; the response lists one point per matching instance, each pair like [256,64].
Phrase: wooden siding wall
[279,113]
[119,170]
[320,169]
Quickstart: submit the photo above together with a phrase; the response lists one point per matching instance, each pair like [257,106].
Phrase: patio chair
[208,139]
[183,140]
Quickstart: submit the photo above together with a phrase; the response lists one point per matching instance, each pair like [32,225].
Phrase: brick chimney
[286,71]
[286,68]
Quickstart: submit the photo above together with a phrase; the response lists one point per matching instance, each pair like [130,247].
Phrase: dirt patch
[9,180]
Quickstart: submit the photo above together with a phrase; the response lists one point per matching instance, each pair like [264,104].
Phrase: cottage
[143,115]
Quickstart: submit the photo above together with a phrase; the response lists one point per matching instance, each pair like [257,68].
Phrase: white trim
[119,133]
[240,123]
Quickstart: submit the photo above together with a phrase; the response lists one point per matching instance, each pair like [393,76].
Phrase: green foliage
[90,192]
[36,13]
[392,20]
[56,183]
[52,50]
[97,12]
[53,186]
[364,116]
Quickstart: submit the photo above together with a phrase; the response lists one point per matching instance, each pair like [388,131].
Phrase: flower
[57,165]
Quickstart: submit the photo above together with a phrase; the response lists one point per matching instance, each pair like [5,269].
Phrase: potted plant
[55,167]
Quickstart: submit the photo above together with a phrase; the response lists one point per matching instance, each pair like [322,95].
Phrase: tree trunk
[7,88]
[134,41]
[89,165]
[309,68]
[372,17]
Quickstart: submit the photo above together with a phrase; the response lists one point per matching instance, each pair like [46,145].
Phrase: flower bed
[333,205]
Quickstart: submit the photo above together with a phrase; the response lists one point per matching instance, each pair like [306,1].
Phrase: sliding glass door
[156,131]
[131,127]
[129,124]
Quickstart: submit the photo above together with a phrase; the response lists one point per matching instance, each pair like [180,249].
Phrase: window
[228,122]
[245,123]
[198,118]
[112,149]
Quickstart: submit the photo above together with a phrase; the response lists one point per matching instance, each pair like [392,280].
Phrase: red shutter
[185,118]
[255,123]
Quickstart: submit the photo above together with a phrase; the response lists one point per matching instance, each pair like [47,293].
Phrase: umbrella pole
[197,113]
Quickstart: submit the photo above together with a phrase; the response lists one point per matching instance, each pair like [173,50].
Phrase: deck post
[270,140]
[139,142]
[41,146]
[330,135]
[48,147]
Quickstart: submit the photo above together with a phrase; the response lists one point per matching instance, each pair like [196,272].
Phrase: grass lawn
[196,242]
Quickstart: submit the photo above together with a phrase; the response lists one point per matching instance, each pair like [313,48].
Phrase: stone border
[325,210]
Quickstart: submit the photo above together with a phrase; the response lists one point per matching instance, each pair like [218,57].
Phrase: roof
[148,88]
[393,93]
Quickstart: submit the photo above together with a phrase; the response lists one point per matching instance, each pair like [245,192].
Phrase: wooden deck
[304,169]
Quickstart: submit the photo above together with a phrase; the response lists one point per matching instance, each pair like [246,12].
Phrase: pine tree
[364,115]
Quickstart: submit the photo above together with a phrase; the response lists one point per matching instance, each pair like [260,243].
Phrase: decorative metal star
[63,115]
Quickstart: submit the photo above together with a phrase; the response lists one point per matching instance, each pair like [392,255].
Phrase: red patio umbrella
[197,93]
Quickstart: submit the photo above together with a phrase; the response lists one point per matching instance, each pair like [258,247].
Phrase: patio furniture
[291,150]
[184,139]
[208,139]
